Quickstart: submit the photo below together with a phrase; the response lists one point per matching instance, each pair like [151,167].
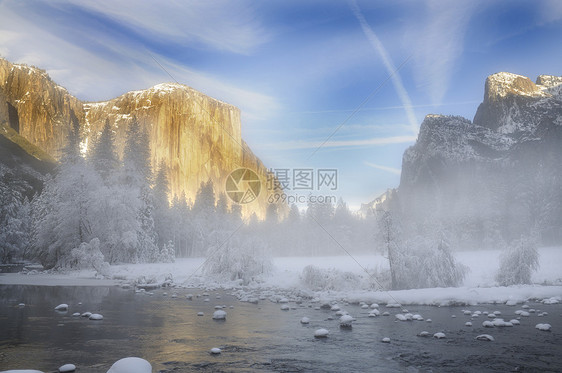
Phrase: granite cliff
[196,136]
[494,178]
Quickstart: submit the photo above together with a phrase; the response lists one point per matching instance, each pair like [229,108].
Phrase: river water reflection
[257,337]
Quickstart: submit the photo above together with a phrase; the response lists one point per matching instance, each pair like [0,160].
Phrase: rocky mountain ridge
[195,136]
[496,177]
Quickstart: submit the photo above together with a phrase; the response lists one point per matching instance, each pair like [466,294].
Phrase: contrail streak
[389,65]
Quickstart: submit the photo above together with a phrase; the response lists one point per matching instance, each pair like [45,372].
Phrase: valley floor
[478,287]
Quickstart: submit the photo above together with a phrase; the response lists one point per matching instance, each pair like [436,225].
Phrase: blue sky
[297,69]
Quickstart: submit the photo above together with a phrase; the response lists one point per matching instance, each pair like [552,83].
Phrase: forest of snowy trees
[96,206]
[96,210]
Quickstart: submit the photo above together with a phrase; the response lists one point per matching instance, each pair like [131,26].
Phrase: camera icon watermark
[283,185]
[243,186]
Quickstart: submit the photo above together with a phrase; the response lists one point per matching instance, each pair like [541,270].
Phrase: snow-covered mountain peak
[551,84]
[503,84]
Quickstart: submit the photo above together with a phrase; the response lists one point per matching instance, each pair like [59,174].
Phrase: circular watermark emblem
[243,186]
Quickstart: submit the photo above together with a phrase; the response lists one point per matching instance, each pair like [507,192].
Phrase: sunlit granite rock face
[40,106]
[196,136]
[514,105]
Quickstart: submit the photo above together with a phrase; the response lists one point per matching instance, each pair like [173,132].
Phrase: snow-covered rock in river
[484,337]
[424,334]
[95,316]
[321,333]
[219,315]
[305,320]
[346,321]
[375,312]
[400,317]
[215,351]
[553,300]
[439,335]
[285,307]
[200,314]
[67,368]
[61,307]
[385,340]
[488,324]
[500,322]
[86,314]
[543,327]
[393,305]
[468,323]
[131,365]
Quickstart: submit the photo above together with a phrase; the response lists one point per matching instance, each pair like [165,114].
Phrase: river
[167,331]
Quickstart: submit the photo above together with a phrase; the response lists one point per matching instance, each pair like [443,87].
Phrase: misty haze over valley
[187,211]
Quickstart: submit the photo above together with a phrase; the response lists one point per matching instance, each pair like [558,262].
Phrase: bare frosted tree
[518,262]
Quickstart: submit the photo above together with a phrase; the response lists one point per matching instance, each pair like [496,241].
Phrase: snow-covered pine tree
[271,214]
[182,227]
[137,179]
[204,218]
[222,205]
[136,156]
[62,220]
[235,214]
[103,155]
[168,253]
[162,212]
[205,198]
[13,218]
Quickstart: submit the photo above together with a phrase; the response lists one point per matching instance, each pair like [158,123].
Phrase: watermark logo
[287,185]
[243,186]
[302,179]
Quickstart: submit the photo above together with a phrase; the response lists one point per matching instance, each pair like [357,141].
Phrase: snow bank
[452,296]
[286,279]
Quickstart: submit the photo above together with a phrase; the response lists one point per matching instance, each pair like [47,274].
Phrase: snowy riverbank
[478,287]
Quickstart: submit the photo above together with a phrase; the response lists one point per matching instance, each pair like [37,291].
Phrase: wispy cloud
[389,65]
[376,141]
[551,11]
[438,42]
[254,105]
[392,170]
[114,67]
[226,25]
